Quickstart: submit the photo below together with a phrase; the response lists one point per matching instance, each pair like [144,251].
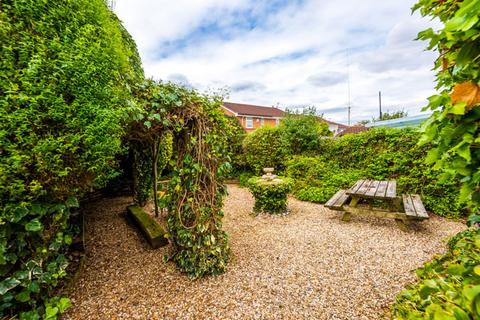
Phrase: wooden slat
[391,189]
[333,199]
[372,189]
[419,208]
[356,186]
[382,189]
[341,200]
[408,205]
[364,187]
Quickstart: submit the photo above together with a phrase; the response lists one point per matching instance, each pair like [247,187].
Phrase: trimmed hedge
[270,196]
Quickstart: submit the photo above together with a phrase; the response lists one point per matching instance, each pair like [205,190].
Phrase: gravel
[306,265]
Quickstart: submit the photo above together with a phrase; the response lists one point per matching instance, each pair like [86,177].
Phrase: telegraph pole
[380,104]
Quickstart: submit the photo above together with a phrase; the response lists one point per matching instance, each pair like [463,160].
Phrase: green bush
[244,177]
[317,180]
[270,196]
[66,69]
[303,132]
[264,148]
[448,287]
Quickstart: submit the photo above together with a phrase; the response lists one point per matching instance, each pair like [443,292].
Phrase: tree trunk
[155,151]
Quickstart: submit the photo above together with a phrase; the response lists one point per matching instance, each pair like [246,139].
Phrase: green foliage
[244,177]
[387,116]
[235,135]
[317,180]
[453,127]
[66,69]
[194,199]
[448,287]
[270,196]
[375,154]
[142,165]
[303,132]
[393,115]
[265,148]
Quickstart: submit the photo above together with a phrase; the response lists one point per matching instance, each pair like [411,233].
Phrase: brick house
[336,128]
[252,117]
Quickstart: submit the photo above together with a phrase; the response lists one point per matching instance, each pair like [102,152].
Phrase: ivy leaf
[8,284]
[34,226]
[23,296]
[19,214]
[51,313]
[464,152]
[72,202]
[64,304]
[148,124]
[458,108]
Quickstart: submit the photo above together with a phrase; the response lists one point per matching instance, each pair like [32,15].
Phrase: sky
[289,54]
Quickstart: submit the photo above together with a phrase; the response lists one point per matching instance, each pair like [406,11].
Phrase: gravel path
[307,265]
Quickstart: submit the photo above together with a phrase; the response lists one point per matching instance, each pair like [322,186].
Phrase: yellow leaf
[477,270]
[468,92]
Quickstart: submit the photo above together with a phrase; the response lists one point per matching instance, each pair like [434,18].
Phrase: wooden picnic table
[371,192]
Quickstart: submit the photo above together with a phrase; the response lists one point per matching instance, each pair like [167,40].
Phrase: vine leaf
[468,92]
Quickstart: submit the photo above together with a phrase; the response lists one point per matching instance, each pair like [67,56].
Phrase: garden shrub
[303,132]
[66,71]
[317,180]
[244,177]
[448,287]
[235,136]
[270,195]
[265,148]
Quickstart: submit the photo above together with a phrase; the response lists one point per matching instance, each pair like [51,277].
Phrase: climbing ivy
[453,127]
[449,286]
[270,196]
[199,164]
[66,69]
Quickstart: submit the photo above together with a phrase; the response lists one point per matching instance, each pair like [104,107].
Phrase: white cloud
[288,52]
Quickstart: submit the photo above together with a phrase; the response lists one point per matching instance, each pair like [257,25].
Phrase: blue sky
[288,53]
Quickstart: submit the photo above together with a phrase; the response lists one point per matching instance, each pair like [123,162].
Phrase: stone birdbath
[270,192]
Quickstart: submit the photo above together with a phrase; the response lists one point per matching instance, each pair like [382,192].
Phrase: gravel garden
[79,119]
[305,265]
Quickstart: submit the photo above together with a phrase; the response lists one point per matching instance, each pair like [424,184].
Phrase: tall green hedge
[66,69]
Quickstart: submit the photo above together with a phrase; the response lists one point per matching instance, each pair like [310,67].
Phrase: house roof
[353,129]
[252,110]
[341,126]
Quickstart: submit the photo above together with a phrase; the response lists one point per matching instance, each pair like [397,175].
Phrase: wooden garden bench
[414,208]
[371,192]
[338,200]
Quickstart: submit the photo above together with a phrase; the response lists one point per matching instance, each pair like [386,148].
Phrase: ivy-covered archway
[199,163]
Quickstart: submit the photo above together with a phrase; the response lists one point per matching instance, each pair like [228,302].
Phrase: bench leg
[354,201]
[401,224]
[346,216]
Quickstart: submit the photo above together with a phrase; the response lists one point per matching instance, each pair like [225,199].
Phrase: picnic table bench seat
[338,200]
[413,206]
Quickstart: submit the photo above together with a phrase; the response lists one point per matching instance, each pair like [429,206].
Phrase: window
[277,121]
[262,122]
[249,122]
